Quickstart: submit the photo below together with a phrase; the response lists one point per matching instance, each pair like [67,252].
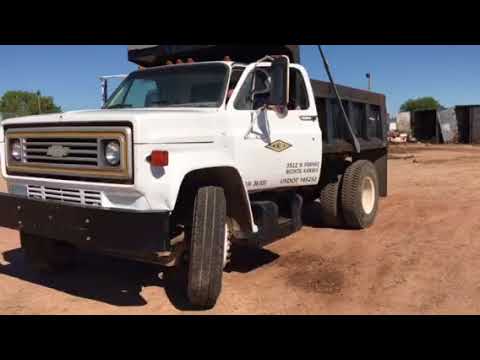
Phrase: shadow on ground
[119,282]
[246,259]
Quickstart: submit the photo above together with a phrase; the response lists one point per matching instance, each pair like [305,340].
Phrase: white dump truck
[205,147]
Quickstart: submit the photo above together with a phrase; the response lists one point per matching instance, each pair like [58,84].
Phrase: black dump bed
[366,110]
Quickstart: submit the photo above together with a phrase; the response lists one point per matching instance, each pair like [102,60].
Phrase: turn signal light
[158,158]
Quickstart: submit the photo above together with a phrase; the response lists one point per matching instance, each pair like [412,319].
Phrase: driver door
[274,150]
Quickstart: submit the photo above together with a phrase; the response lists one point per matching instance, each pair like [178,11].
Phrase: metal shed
[468,118]
[435,125]
[425,126]
[403,121]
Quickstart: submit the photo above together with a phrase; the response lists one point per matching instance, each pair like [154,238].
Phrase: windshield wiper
[119,106]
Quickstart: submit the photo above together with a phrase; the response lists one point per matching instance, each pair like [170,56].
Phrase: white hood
[150,126]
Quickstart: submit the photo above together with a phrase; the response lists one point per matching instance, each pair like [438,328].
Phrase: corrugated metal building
[468,119]
[403,122]
[425,126]
[459,124]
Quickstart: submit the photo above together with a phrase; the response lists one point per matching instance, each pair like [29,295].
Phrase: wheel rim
[368,195]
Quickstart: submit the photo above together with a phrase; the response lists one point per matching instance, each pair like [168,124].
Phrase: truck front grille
[79,152]
[81,197]
[76,152]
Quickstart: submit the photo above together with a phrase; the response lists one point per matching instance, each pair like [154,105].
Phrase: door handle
[308,117]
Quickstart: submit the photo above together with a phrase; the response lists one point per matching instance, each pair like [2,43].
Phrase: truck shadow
[247,259]
[119,282]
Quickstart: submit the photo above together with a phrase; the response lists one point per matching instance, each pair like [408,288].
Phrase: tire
[359,195]
[47,255]
[207,242]
[329,203]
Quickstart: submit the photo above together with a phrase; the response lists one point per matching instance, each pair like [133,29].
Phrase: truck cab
[183,160]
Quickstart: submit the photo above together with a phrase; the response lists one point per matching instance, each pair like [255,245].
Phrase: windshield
[199,85]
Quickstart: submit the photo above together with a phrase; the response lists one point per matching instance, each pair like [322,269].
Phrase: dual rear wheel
[351,199]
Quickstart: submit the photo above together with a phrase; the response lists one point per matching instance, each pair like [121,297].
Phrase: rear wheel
[329,202]
[48,255]
[208,247]
[359,194]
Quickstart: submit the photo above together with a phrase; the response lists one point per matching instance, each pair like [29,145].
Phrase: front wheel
[360,195]
[207,247]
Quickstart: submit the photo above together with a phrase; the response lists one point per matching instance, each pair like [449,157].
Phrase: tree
[421,103]
[24,103]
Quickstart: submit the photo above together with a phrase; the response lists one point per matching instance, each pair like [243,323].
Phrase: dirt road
[421,256]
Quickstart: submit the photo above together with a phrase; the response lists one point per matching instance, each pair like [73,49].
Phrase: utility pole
[369,77]
[38,101]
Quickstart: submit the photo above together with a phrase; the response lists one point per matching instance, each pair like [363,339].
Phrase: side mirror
[280,81]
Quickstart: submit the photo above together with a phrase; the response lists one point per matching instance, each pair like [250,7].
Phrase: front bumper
[108,230]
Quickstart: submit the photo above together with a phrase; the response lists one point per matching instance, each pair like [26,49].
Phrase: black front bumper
[110,230]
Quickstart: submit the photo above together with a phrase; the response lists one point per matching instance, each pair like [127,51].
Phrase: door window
[262,83]
[298,92]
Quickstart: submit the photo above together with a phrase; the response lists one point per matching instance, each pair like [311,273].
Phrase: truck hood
[150,126]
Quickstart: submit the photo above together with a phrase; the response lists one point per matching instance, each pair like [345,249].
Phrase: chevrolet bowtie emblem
[58,151]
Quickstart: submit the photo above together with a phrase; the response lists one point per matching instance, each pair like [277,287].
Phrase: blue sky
[70,73]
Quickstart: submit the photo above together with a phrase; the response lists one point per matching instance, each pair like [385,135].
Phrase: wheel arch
[227,177]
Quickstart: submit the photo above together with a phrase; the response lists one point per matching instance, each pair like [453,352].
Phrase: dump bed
[366,110]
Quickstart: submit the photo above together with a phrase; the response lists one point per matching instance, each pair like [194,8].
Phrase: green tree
[24,103]
[421,103]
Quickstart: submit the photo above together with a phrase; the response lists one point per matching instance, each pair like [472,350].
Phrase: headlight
[112,153]
[16,150]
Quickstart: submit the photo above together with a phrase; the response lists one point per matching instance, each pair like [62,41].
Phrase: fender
[191,165]
[229,178]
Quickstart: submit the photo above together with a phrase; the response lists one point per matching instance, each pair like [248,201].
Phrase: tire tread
[329,202]
[352,211]
[207,242]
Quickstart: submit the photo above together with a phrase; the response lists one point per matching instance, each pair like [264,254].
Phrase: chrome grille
[80,152]
[81,197]
[76,152]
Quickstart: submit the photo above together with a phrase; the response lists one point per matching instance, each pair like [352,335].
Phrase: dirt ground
[421,257]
